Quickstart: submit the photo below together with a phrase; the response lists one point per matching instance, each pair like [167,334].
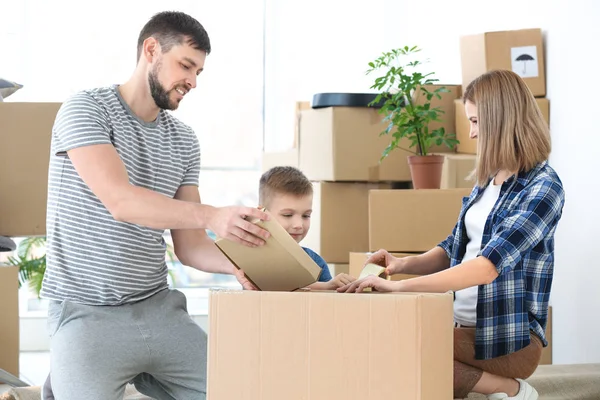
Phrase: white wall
[325,46]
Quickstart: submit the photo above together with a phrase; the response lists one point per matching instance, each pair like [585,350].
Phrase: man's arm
[102,170]
[193,247]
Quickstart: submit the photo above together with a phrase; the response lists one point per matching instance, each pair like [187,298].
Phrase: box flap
[279,265]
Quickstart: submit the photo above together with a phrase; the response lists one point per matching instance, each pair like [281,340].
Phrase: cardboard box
[336,269]
[412,220]
[300,106]
[280,264]
[340,219]
[357,263]
[25,131]
[343,144]
[324,346]
[463,127]
[521,51]
[279,159]
[544,105]
[547,351]
[9,315]
[457,168]
[446,103]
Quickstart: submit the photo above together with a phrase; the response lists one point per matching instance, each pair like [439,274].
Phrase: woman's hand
[371,281]
[393,265]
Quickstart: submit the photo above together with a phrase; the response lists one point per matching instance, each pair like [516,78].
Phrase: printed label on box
[524,61]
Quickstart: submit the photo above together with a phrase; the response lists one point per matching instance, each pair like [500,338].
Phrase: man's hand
[233,223]
[371,281]
[241,277]
[393,265]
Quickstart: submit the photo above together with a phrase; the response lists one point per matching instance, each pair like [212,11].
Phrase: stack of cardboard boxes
[25,131]
[520,51]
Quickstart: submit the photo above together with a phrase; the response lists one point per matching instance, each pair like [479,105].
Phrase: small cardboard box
[521,51]
[340,219]
[279,265]
[25,131]
[9,315]
[463,127]
[327,345]
[412,220]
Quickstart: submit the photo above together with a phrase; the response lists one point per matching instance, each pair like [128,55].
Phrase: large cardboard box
[9,315]
[25,133]
[357,263]
[340,219]
[521,51]
[412,220]
[463,128]
[325,346]
[457,168]
[343,144]
[446,103]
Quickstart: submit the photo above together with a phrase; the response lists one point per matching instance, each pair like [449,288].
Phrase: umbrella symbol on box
[524,58]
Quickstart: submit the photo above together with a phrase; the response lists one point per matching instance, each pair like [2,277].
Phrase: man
[123,170]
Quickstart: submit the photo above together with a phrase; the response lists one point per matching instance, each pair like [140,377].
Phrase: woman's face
[471,111]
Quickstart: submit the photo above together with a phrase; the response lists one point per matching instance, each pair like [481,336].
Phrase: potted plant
[407,118]
[31,259]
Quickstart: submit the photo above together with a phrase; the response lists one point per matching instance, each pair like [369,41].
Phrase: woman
[499,259]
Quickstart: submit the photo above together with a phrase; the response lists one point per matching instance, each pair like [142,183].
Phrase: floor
[34,368]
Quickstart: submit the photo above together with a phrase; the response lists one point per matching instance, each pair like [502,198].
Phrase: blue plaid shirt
[518,239]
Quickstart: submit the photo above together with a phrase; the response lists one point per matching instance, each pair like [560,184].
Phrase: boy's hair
[282,180]
[171,28]
[513,134]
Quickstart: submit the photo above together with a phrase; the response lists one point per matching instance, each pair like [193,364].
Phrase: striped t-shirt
[91,257]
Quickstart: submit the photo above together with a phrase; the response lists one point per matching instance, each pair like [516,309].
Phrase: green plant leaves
[397,86]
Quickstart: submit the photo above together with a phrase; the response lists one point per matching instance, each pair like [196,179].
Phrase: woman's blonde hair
[513,134]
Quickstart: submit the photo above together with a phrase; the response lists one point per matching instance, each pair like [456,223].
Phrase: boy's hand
[241,277]
[371,281]
[393,265]
[232,223]
[341,280]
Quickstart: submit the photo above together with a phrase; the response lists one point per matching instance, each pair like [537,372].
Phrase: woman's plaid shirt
[518,239]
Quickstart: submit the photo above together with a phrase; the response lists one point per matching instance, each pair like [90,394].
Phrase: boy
[287,194]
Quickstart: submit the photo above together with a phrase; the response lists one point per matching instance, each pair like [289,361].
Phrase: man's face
[173,74]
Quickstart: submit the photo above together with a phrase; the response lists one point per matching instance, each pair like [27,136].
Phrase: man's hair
[513,134]
[282,180]
[172,28]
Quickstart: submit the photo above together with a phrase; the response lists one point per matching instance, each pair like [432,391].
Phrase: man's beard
[158,92]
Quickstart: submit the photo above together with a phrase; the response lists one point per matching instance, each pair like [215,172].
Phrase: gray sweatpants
[97,350]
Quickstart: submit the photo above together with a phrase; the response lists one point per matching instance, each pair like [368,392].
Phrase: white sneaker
[526,392]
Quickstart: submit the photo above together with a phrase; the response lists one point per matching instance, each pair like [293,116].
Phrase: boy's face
[293,213]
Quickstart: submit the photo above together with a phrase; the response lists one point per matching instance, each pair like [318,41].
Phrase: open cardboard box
[318,345]
[280,264]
